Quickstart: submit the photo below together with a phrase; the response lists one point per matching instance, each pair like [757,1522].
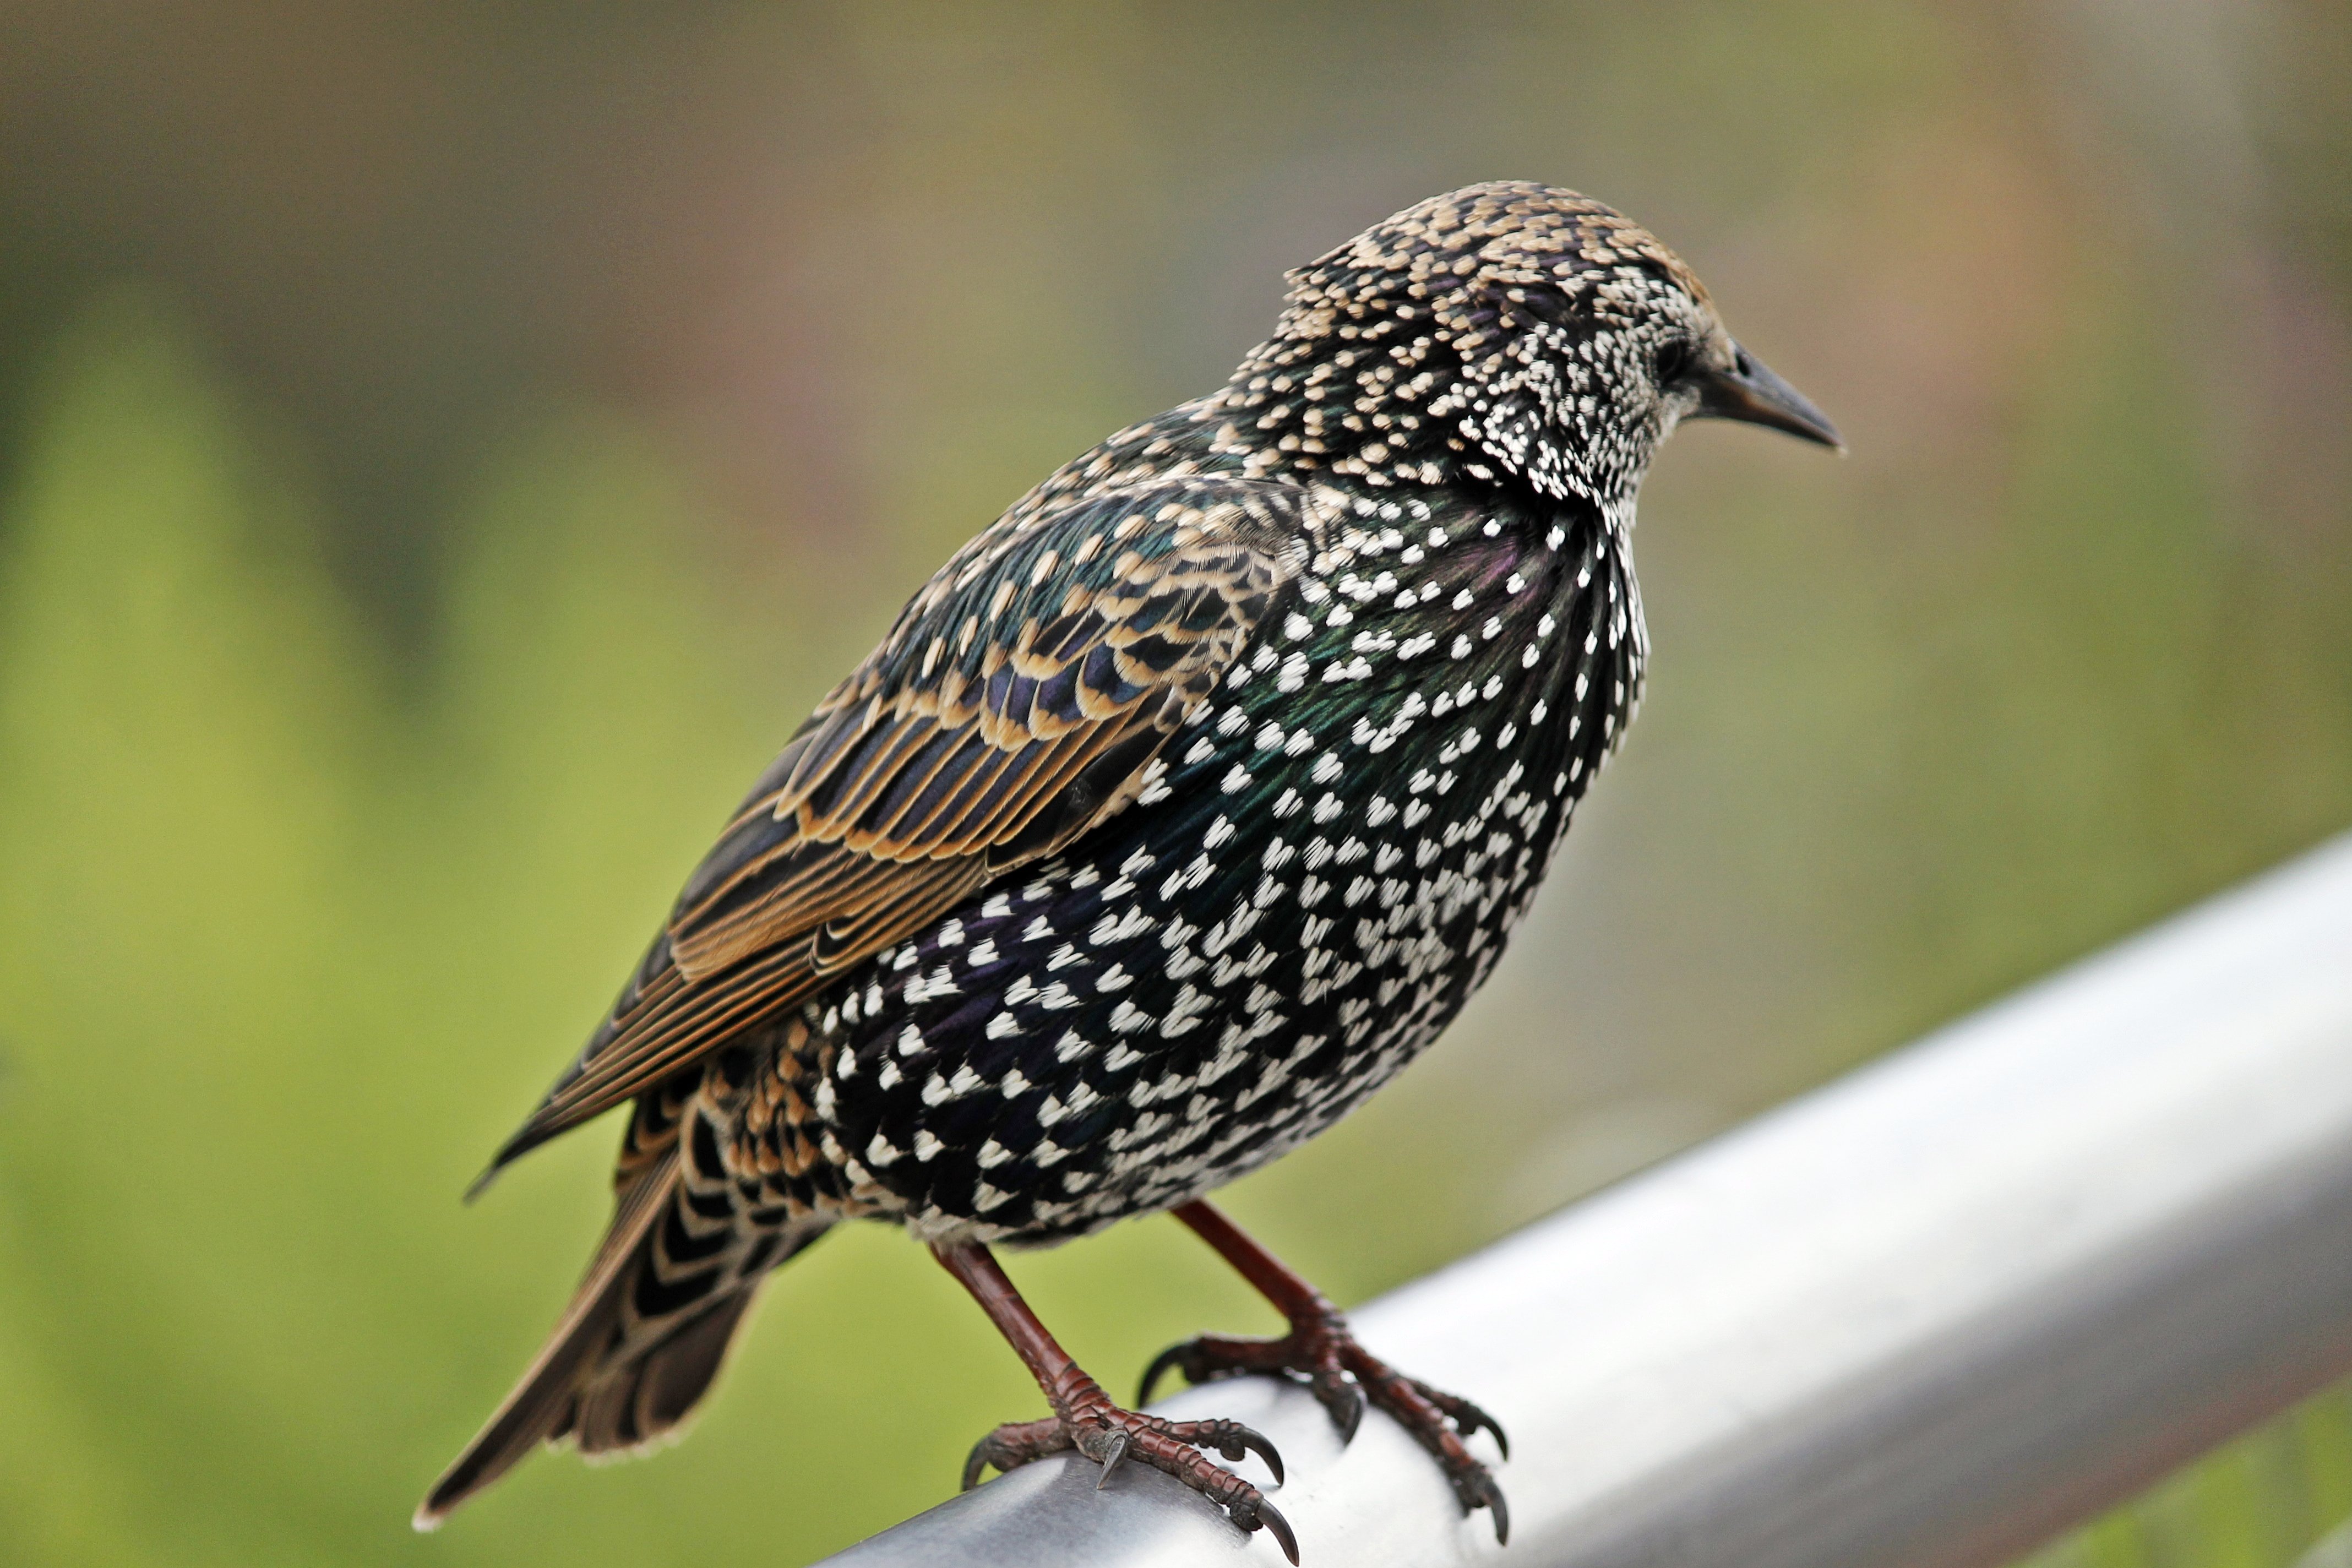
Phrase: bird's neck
[1333,408]
[1361,415]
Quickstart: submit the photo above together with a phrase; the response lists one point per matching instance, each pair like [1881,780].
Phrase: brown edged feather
[1015,704]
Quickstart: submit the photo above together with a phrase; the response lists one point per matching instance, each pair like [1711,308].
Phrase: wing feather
[1010,709]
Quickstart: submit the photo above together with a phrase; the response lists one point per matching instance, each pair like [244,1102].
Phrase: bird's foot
[1322,1352]
[1087,1421]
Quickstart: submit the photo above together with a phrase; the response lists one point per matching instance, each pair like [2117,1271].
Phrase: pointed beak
[1750,392]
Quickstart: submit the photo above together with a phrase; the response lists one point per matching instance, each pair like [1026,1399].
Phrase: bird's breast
[1311,885]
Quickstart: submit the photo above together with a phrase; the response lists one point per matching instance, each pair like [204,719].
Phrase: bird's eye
[1673,360]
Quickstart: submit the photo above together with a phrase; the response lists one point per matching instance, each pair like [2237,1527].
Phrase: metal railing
[1927,1317]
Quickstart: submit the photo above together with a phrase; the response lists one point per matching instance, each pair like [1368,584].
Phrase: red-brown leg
[1320,1352]
[1084,1419]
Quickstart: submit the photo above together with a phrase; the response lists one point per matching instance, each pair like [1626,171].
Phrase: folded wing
[1017,703]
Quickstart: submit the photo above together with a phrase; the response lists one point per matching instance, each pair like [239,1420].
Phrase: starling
[1183,807]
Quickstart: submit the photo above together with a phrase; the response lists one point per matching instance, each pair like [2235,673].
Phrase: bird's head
[1505,331]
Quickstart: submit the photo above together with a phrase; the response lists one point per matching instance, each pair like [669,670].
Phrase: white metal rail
[1924,1318]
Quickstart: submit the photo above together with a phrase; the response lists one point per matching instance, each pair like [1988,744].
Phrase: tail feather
[645,1335]
[541,1405]
[641,1401]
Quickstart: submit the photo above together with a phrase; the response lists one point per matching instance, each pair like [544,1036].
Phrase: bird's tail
[637,1348]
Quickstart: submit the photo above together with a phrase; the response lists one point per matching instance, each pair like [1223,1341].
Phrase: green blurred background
[445,448]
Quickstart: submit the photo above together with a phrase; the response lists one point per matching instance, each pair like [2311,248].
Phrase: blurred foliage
[2276,1498]
[446,448]
[261,933]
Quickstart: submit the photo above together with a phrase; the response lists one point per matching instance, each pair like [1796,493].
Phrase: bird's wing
[1016,702]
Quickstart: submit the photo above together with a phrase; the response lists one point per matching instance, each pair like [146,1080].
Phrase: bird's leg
[1084,1418]
[1322,1352]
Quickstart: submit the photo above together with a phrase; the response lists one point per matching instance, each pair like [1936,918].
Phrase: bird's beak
[1750,392]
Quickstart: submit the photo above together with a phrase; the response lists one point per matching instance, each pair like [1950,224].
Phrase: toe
[1013,1445]
[1468,1417]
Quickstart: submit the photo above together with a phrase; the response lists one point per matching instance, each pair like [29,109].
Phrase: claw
[1477,1489]
[1113,1452]
[1343,1400]
[1253,1512]
[1257,1443]
[1232,1439]
[1468,1418]
[1091,1424]
[1173,1356]
[1474,1418]
[1502,1512]
[1319,1352]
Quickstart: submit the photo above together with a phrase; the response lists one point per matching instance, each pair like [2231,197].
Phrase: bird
[1182,807]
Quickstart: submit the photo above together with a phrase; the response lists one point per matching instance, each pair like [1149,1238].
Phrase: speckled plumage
[1181,809]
